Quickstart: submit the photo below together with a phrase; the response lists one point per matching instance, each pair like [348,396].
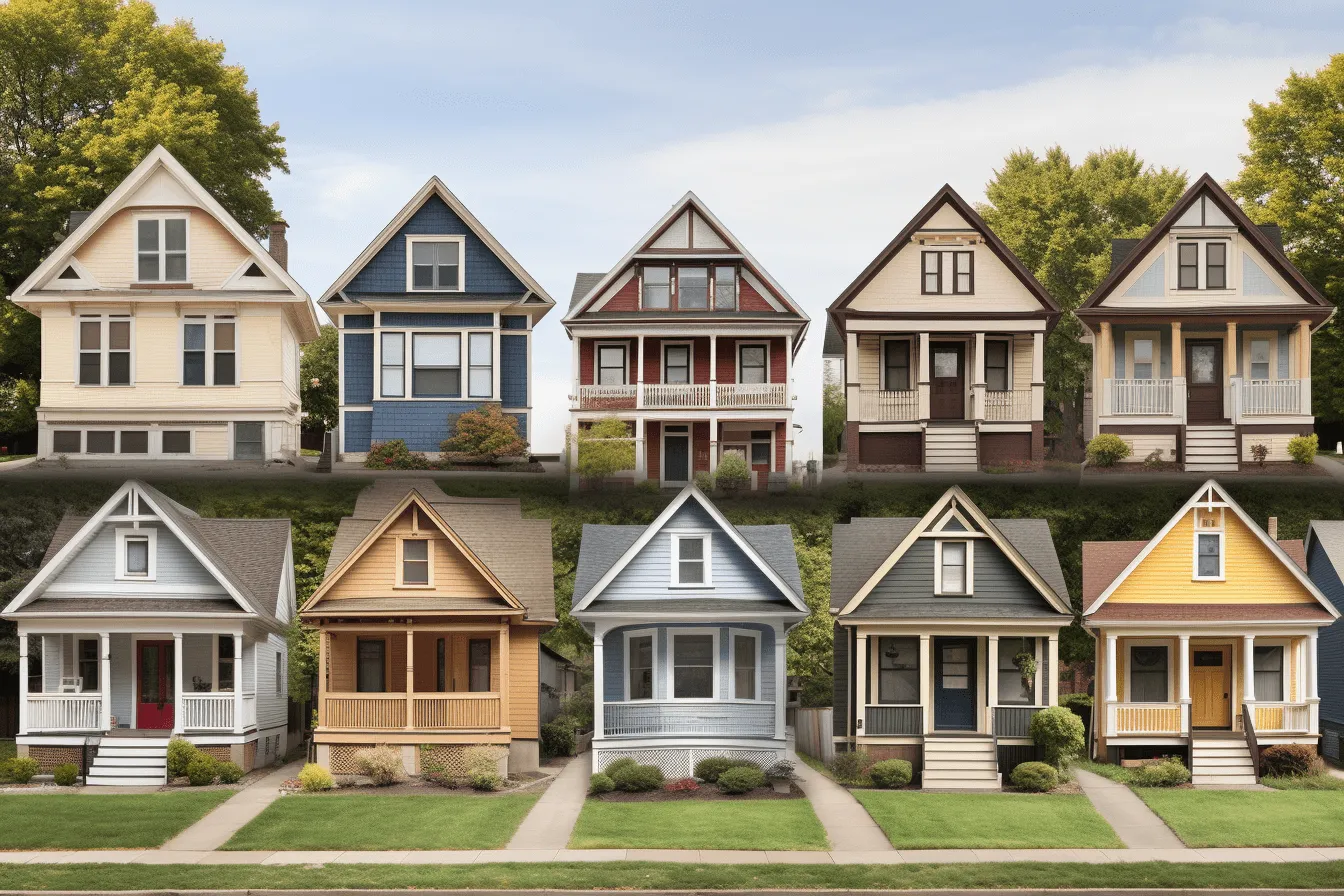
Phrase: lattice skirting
[50,757]
[343,758]
[679,762]
[454,760]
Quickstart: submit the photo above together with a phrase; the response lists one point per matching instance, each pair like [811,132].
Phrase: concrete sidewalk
[215,829]
[552,819]
[1133,822]
[848,825]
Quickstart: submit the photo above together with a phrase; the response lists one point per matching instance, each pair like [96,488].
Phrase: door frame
[977,695]
[1221,343]
[136,641]
[689,435]
[963,354]
[1228,649]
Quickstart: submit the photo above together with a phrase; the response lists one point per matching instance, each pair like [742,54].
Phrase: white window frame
[104,321]
[690,361]
[1008,345]
[162,251]
[429,558]
[1220,534]
[737,360]
[462,347]
[597,359]
[938,567]
[707,538]
[1172,671]
[652,635]
[383,367]
[1249,336]
[460,239]
[472,336]
[671,660]
[1130,339]
[209,319]
[151,536]
[733,635]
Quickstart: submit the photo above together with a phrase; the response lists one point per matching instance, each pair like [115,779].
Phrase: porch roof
[1210,612]
[131,606]
[411,606]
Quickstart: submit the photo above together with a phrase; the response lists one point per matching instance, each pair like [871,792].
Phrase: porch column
[1037,376]
[323,652]
[713,449]
[923,381]
[926,682]
[577,368]
[1230,350]
[177,683]
[410,678]
[504,677]
[1105,357]
[639,375]
[781,682]
[1304,362]
[1248,668]
[641,458]
[978,379]
[992,667]
[238,722]
[860,682]
[23,682]
[1111,696]
[850,376]
[1313,698]
[1052,673]
[713,379]
[1177,351]
[105,676]
[599,681]
[1183,682]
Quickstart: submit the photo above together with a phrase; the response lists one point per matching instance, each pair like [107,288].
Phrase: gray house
[1325,565]
[946,639]
[689,617]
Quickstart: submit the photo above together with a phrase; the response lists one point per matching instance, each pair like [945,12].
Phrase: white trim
[624,346]
[652,635]
[105,319]
[239,279]
[672,635]
[85,280]
[689,436]
[706,540]
[209,320]
[1172,659]
[161,217]
[460,239]
[379,366]
[690,361]
[429,562]
[1270,336]
[733,634]
[969,589]
[151,537]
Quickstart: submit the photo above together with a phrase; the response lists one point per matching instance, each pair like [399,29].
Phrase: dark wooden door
[947,374]
[154,705]
[1204,379]
[676,457]
[954,684]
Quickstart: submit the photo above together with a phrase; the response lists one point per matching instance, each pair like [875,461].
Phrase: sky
[814,131]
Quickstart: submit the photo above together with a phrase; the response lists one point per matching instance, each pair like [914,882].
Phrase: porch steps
[1211,449]
[130,762]
[951,448]
[960,763]
[1221,761]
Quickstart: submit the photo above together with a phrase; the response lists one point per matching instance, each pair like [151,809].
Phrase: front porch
[672,451]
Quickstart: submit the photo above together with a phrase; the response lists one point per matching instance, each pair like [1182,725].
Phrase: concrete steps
[130,762]
[960,763]
[1211,449]
[1221,761]
[951,448]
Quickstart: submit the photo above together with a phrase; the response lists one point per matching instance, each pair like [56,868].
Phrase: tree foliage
[18,406]
[832,417]
[605,448]
[1293,176]
[319,380]
[487,432]
[87,88]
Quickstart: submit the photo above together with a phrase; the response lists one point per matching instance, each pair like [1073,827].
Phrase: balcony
[607,398]
[1011,406]
[655,718]
[432,712]
[1271,398]
[730,396]
[65,712]
[676,395]
[1145,398]
[884,406]
[751,395]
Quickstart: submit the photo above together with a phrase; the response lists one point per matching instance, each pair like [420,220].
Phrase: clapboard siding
[95,563]
[840,681]
[375,571]
[996,582]
[613,645]
[524,691]
[272,703]
[1330,648]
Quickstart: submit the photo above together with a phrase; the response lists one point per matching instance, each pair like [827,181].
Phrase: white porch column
[599,680]
[1183,683]
[1313,698]
[860,683]
[781,680]
[639,375]
[177,683]
[713,447]
[923,382]
[850,377]
[105,678]
[1247,667]
[641,455]
[238,725]
[23,681]
[1111,696]
[1037,376]
[1051,670]
[577,376]
[713,378]
[926,681]
[992,692]
[978,379]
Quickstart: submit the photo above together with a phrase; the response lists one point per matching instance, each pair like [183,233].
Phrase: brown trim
[924,271]
[970,256]
[165,285]
[1137,429]
[1303,429]
[943,315]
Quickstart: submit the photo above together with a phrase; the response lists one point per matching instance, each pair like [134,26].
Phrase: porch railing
[479,710]
[210,712]
[607,397]
[65,712]
[1012,405]
[676,395]
[1282,718]
[1014,721]
[1269,398]
[751,395]
[888,719]
[366,712]
[677,718]
[430,711]
[1144,718]
[1140,397]
[882,406]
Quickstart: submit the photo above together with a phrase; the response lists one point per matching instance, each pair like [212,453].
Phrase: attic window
[253,270]
[135,554]
[69,274]
[690,561]
[415,562]
[435,264]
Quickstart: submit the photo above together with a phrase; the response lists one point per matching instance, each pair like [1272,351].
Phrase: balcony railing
[207,712]
[1012,405]
[1281,718]
[676,395]
[1150,398]
[432,711]
[65,712]
[883,406]
[751,395]
[598,398]
[1144,718]
[1268,398]
[890,719]
[727,719]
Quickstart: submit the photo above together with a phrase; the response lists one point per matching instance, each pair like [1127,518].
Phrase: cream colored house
[168,331]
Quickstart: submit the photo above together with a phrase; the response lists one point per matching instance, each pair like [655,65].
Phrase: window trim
[413,366]
[1178,266]
[1130,339]
[707,538]
[1208,266]
[970,255]
[473,336]
[875,663]
[151,536]
[384,367]
[429,562]
[1249,336]
[741,344]
[733,635]
[690,361]
[1172,659]
[163,250]
[1220,534]
[1007,343]
[909,362]
[671,287]
[104,320]
[1288,682]
[460,239]
[716,662]
[97,661]
[652,635]
[714,289]
[208,320]
[625,360]
[924,272]
[709,289]
[938,567]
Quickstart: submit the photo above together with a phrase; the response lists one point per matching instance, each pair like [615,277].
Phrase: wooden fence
[812,732]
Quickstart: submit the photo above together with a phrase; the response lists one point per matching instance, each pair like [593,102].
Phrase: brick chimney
[1273,528]
[278,245]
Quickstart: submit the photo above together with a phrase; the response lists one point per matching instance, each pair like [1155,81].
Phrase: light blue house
[689,617]
[435,318]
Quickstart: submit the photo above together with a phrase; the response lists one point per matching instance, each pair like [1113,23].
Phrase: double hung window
[693,288]
[1143,358]
[640,662]
[657,288]
[393,364]
[1269,674]
[690,560]
[161,250]
[896,360]
[209,350]
[478,659]
[415,561]
[370,666]
[897,670]
[676,364]
[481,374]
[611,366]
[437,365]
[963,268]
[745,660]
[931,280]
[1187,265]
[224,675]
[996,365]
[692,666]
[1215,265]
[105,350]
[1260,357]
[1148,674]
[1012,689]
[436,265]
[952,565]
[1209,555]
[751,364]
[725,288]
[89,666]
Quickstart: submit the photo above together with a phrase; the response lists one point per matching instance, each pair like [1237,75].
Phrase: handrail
[1248,729]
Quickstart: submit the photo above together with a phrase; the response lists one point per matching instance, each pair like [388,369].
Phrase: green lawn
[674,876]
[1250,817]
[913,820]
[359,821]
[1306,782]
[695,824]
[112,821]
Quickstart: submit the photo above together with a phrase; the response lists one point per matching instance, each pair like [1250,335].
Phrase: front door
[676,455]
[1204,379]
[1211,687]
[947,390]
[154,684]
[954,684]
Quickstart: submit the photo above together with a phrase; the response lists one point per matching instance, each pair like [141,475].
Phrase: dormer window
[690,561]
[435,264]
[963,267]
[161,250]
[135,554]
[415,563]
[952,567]
[1209,555]
[693,288]
[1201,264]
[725,288]
[932,266]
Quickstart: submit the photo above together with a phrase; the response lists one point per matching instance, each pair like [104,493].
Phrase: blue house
[435,318]
[689,617]
[1325,566]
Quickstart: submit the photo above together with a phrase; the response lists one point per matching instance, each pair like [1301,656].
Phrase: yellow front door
[1211,687]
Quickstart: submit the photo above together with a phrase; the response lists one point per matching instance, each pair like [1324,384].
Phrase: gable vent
[69,273]
[253,270]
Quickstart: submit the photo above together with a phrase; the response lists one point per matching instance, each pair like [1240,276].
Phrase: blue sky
[815,131]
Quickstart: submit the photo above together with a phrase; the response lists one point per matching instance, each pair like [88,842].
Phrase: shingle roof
[132,605]
[65,530]
[1210,612]
[833,346]
[1104,560]
[583,284]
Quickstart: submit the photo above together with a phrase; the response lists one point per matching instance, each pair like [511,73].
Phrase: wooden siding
[524,690]
[343,658]
[613,673]
[213,255]
[96,563]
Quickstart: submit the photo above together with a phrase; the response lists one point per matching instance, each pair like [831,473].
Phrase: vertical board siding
[840,674]
[358,373]
[513,371]
[996,581]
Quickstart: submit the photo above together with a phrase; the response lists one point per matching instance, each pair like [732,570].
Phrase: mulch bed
[419,787]
[1275,468]
[705,792]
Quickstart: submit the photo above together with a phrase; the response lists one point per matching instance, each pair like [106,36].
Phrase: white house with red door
[147,621]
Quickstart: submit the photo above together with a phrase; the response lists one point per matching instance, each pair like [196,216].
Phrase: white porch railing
[1268,398]
[1013,405]
[607,397]
[726,719]
[1144,718]
[882,406]
[676,395]
[1140,397]
[65,712]
[751,395]
[207,712]
[1277,718]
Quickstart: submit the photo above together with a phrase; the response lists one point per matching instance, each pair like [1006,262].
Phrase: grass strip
[1283,818]
[101,821]
[752,824]
[914,820]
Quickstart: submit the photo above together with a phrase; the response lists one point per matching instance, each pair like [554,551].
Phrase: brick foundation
[50,757]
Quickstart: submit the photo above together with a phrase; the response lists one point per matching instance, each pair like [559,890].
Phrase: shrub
[314,777]
[783,770]
[394,455]
[741,779]
[617,764]
[637,778]
[487,781]
[1079,701]
[704,480]
[891,773]
[66,774]
[488,432]
[230,772]
[605,448]
[1302,449]
[180,753]
[1107,449]
[381,765]
[579,707]
[202,770]
[848,768]
[1289,761]
[483,761]
[1035,777]
[1259,453]
[733,472]
[601,783]
[1058,731]
[557,737]
[681,785]
[1169,772]
[709,769]
[21,769]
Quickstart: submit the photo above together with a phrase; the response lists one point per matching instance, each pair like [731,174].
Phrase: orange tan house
[1206,641]
[429,619]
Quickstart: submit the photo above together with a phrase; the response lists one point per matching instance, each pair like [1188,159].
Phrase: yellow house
[1206,641]
[168,331]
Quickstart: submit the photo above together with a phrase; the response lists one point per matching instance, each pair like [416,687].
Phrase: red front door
[154,684]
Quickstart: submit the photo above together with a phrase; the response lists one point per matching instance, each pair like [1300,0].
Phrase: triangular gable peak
[955,512]
[413,516]
[433,208]
[1250,566]
[691,496]
[134,506]
[688,230]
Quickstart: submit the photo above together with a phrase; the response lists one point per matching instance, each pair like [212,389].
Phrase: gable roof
[1107,559]
[606,550]
[579,303]
[947,196]
[249,557]
[436,187]
[864,554]
[1263,241]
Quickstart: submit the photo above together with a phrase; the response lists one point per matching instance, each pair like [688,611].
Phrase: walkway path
[215,829]
[848,825]
[552,819]
[1135,824]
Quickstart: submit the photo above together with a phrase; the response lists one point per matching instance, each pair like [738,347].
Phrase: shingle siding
[513,321]
[357,376]
[1330,647]
[358,435]
[436,318]
[357,322]
[422,424]
[513,371]
[95,564]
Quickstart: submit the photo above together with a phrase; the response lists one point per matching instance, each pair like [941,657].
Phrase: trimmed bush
[733,472]
[381,765]
[1169,772]
[783,770]
[65,774]
[21,769]
[849,768]
[1289,761]
[741,779]
[891,773]
[314,778]
[1059,732]
[557,737]
[180,753]
[601,783]
[230,772]
[709,770]
[1080,701]
[637,778]
[617,764]
[394,455]
[1107,449]
[488,781]
[1035,777]
[1302,449]
[202,770]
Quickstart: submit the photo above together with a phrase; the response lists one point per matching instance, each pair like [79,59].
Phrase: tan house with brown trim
[429,619]
[1201,338]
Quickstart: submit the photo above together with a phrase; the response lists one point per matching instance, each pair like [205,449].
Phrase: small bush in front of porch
[180,753]
[710,768]
[65,774]
[1107,449]
[394,455]
[733,472]
[742,779]
[601,783]
[314,778]
[486,432]
[21,769]
[851,768]
[637,778]
[1059,733]
[202,770]
[891,773]
[1302,449]
[381,765]
[229,772]
[1168,772]
[1289,761]
[1035,777]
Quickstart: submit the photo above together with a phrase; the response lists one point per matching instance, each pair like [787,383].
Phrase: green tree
[18,406]
[832,417]
[1059,218]
[605,448]
[319,380]
[87,88]
[1291,176]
